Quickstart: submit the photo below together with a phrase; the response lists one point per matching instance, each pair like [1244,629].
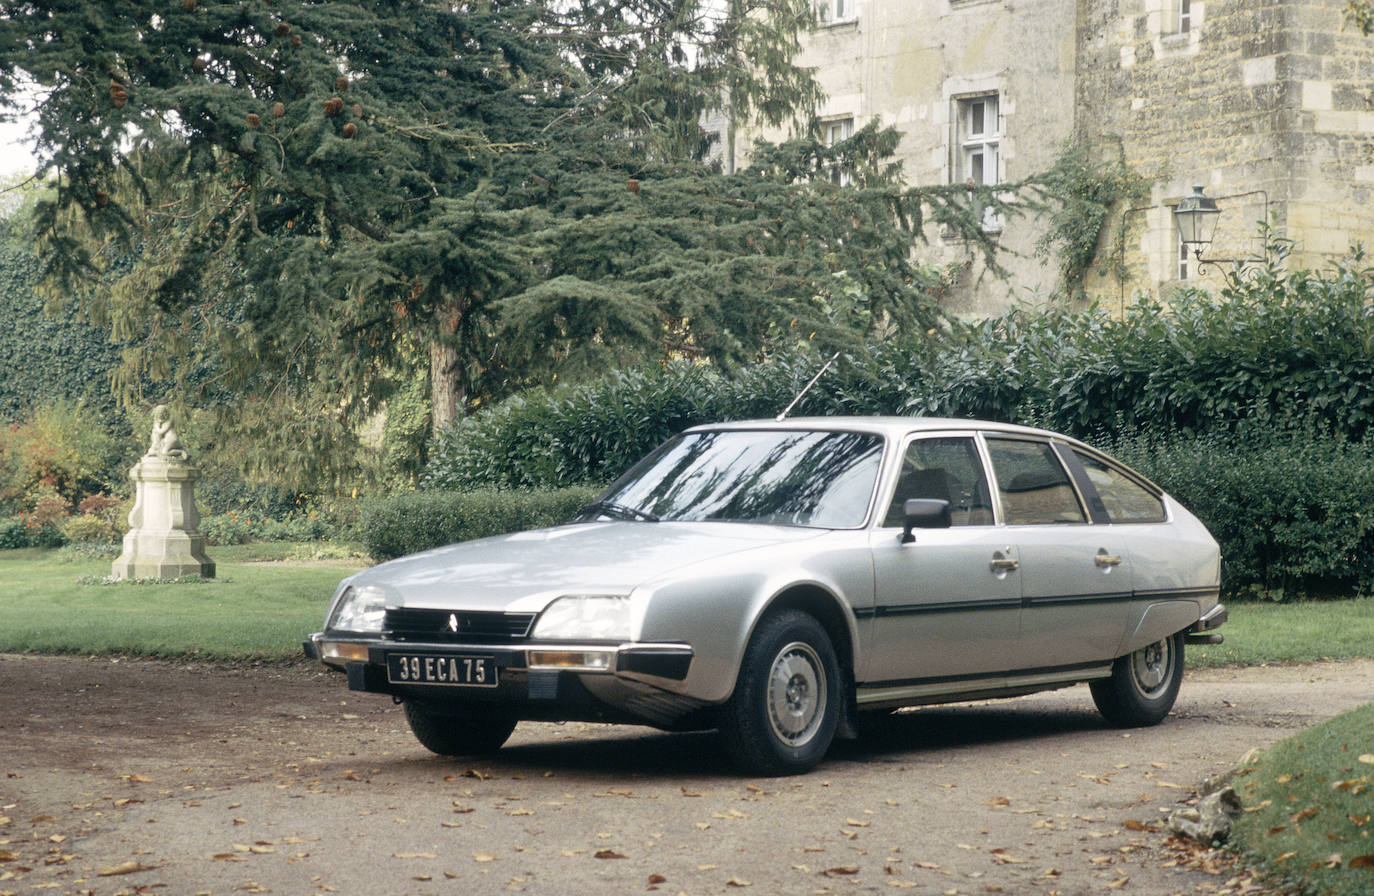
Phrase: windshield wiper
[620,511]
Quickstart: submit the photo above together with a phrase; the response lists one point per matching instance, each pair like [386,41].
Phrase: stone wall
[1268,104]
[1257,98]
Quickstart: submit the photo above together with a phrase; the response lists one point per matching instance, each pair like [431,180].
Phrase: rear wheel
[460,731]
[1143,685]
[786,706]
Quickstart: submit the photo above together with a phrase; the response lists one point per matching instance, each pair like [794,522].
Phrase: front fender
[717,610]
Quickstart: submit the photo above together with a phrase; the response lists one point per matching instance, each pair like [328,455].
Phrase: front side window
[946,468]
[1034,486]
[1125,499]
[781,477]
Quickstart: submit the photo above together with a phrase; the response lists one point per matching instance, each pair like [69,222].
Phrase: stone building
[1267,104]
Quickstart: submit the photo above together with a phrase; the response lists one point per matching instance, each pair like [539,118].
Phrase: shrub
[59,446]
[418,521]
[1264,344]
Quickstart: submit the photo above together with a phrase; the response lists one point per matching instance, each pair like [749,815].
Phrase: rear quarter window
[1125,499]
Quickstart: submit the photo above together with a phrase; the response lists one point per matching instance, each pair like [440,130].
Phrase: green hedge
[418,521]
[1264,345]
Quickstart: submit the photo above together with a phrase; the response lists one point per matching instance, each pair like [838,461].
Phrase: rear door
[1075,576]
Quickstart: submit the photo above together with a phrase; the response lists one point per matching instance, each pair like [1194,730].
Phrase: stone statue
[165,442]
[163,541]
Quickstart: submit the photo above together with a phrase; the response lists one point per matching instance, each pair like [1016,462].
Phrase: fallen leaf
[998,803]
[736,882]
[1118,883]
[608,854]
[686,792]
[841,870]
[1367,758]
[130,867]
[1365,861]
[1285,857]
[1360,821]
[657,879]
[483,857]
[1335,860]
[413,855]
[1303,815]
[857,824]
[228,857]
[1138,826]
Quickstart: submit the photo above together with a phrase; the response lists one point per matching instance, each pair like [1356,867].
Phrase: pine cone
[278,110]
[102,199]
[333,106]
[283,29]
[118,95]
[340,83]
[350,130]
[252,120]
[188,5]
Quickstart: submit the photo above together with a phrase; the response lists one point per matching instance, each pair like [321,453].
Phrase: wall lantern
[1196,216]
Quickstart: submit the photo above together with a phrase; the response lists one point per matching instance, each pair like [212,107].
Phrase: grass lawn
[1265,633]
[253,611]
[1310,808]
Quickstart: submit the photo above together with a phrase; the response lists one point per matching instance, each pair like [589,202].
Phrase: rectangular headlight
[586,617]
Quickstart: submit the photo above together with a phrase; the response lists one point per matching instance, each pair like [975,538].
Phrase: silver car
[778,580]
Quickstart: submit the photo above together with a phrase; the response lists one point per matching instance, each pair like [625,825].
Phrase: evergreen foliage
[318,196]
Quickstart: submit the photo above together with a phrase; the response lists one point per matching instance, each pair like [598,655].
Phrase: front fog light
[586,618]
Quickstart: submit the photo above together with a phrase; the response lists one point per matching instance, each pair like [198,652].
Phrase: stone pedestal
[163,541]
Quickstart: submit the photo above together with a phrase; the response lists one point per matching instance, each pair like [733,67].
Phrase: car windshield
[818,479]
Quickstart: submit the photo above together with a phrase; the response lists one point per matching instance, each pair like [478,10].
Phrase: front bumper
[641,683]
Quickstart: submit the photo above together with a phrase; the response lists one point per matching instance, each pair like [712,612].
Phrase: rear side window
[1034,486]
[1125,500]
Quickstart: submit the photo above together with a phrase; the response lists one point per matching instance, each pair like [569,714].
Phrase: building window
[833,131]
[979,135]
[1185,16]
[833,12]
[1182,270]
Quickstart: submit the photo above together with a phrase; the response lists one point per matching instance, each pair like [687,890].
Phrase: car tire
[450,731]
[786,706]
[1143,685]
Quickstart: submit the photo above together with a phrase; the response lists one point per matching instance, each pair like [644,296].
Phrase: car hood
[522,572]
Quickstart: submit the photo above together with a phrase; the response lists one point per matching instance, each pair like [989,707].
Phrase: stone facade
[1268,104]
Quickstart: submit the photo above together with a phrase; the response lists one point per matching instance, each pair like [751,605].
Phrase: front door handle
[1107,561]
[1004,564]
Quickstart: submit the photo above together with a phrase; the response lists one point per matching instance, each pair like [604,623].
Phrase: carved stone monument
[163,541]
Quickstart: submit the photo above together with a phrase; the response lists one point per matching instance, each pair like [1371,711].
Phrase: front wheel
[786,706]
[463,731]
[1143,685]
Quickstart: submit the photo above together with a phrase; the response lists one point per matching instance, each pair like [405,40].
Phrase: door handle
[1004,564]
[1106,561]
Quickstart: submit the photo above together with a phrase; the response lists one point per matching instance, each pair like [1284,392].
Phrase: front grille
[418,624]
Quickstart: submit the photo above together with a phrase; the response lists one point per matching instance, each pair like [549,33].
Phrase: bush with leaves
[60,446]
[421,520]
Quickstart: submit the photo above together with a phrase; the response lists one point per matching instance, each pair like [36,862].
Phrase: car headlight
[592,617]
[358,610]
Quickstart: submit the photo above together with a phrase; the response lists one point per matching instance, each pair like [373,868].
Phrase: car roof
[887,426]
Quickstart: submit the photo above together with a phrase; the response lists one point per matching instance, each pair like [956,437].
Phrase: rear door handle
[1106,561]
[1004,564]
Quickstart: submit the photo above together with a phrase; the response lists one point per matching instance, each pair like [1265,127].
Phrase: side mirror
[923,513]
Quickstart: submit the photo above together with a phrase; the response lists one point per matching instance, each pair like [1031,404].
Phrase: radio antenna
[807,388]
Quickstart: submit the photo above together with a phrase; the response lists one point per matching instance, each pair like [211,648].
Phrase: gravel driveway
[146,777]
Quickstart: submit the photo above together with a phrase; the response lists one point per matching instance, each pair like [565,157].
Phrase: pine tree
[320,194]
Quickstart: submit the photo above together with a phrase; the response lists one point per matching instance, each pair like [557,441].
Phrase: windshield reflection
[820,479]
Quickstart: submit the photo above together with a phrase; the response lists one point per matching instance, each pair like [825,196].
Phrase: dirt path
[230,780]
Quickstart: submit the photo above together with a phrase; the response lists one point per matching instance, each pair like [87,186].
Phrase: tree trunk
[446,391]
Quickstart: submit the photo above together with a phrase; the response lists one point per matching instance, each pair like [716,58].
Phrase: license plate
[465,671]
